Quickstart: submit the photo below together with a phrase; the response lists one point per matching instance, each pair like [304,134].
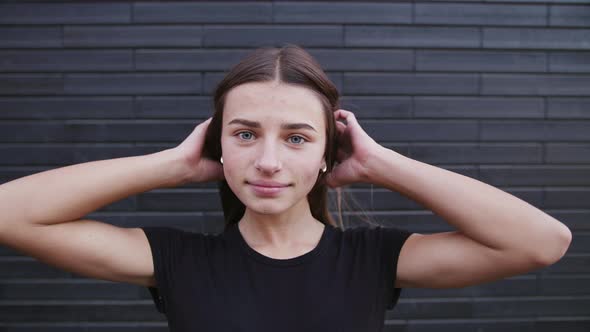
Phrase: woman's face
[258,144]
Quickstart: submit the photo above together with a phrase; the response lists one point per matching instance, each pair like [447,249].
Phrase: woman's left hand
[355,149]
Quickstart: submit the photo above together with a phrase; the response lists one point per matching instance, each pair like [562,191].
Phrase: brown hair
[293,65]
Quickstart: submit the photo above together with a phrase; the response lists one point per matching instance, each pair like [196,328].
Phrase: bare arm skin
[70,192]
[499,235]
[40,215]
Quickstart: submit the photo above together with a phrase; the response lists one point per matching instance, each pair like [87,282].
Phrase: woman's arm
[40,212]
[498,236]
[70,192]
[485,214]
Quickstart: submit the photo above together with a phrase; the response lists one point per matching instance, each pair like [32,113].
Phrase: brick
[478,107]
[576,220]
[183,12]
[535,84]
[491,325]
[205,60]
[342,13]
[574,62]
[576,153]
[132,36]
[537,306]
[143,131]
[381,107]
[411,36]
[71,289]
[480,61]
[61,13]
[48,108]
[66,327]
[22,132]
[368,60]
[480,14]
[492,153]
[535,130]
[564,284]
[31,84]
[65,60]
[568,107]
[573,16]
[94,131]
[538,175]
[567,198]
[487,308]
[196,107]
[580,243]
[278,35]
[547,38]
[567,324]
[84,311]
[470,325]
[64,155]
[409,83]
[431,308]
[30,37]
[420,130]
[133,83]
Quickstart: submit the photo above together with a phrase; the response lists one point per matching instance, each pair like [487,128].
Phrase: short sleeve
[166,244]
[391,241]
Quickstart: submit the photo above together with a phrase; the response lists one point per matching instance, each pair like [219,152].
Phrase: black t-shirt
[217,282]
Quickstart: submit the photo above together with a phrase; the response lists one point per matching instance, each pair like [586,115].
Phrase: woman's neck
[280,232]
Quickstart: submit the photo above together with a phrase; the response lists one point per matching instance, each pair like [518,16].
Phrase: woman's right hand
[199,167]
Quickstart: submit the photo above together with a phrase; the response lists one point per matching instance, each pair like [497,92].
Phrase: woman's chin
[265,206]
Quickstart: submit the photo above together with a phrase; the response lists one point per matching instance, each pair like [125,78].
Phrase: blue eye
[301,137]
[244,132]
[298,142]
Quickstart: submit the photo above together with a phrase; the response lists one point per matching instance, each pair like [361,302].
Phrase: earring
[323,169]
[221,159]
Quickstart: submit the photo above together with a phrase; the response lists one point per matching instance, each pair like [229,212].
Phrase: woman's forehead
[266,102]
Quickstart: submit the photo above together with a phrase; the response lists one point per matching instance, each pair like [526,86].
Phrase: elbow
[554,250]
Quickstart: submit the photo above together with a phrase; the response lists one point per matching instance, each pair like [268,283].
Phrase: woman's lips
[266,190]
[266,183]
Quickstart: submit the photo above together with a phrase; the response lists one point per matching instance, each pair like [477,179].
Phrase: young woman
[276,142]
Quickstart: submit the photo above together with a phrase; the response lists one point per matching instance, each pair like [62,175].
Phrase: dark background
[495,90]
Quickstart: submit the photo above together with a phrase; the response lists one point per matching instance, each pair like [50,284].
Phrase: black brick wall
[495,90]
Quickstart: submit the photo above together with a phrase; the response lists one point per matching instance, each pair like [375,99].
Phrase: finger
[340,127]
[350,118]
[338,114]
[341,155]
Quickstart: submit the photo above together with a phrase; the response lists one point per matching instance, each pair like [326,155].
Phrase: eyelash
[303,138]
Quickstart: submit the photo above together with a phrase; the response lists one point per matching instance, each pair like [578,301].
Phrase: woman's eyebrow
[256,124]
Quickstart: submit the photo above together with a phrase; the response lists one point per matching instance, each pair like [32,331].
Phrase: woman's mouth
[267,190]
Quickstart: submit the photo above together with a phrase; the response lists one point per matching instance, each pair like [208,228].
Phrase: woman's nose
[268,158]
